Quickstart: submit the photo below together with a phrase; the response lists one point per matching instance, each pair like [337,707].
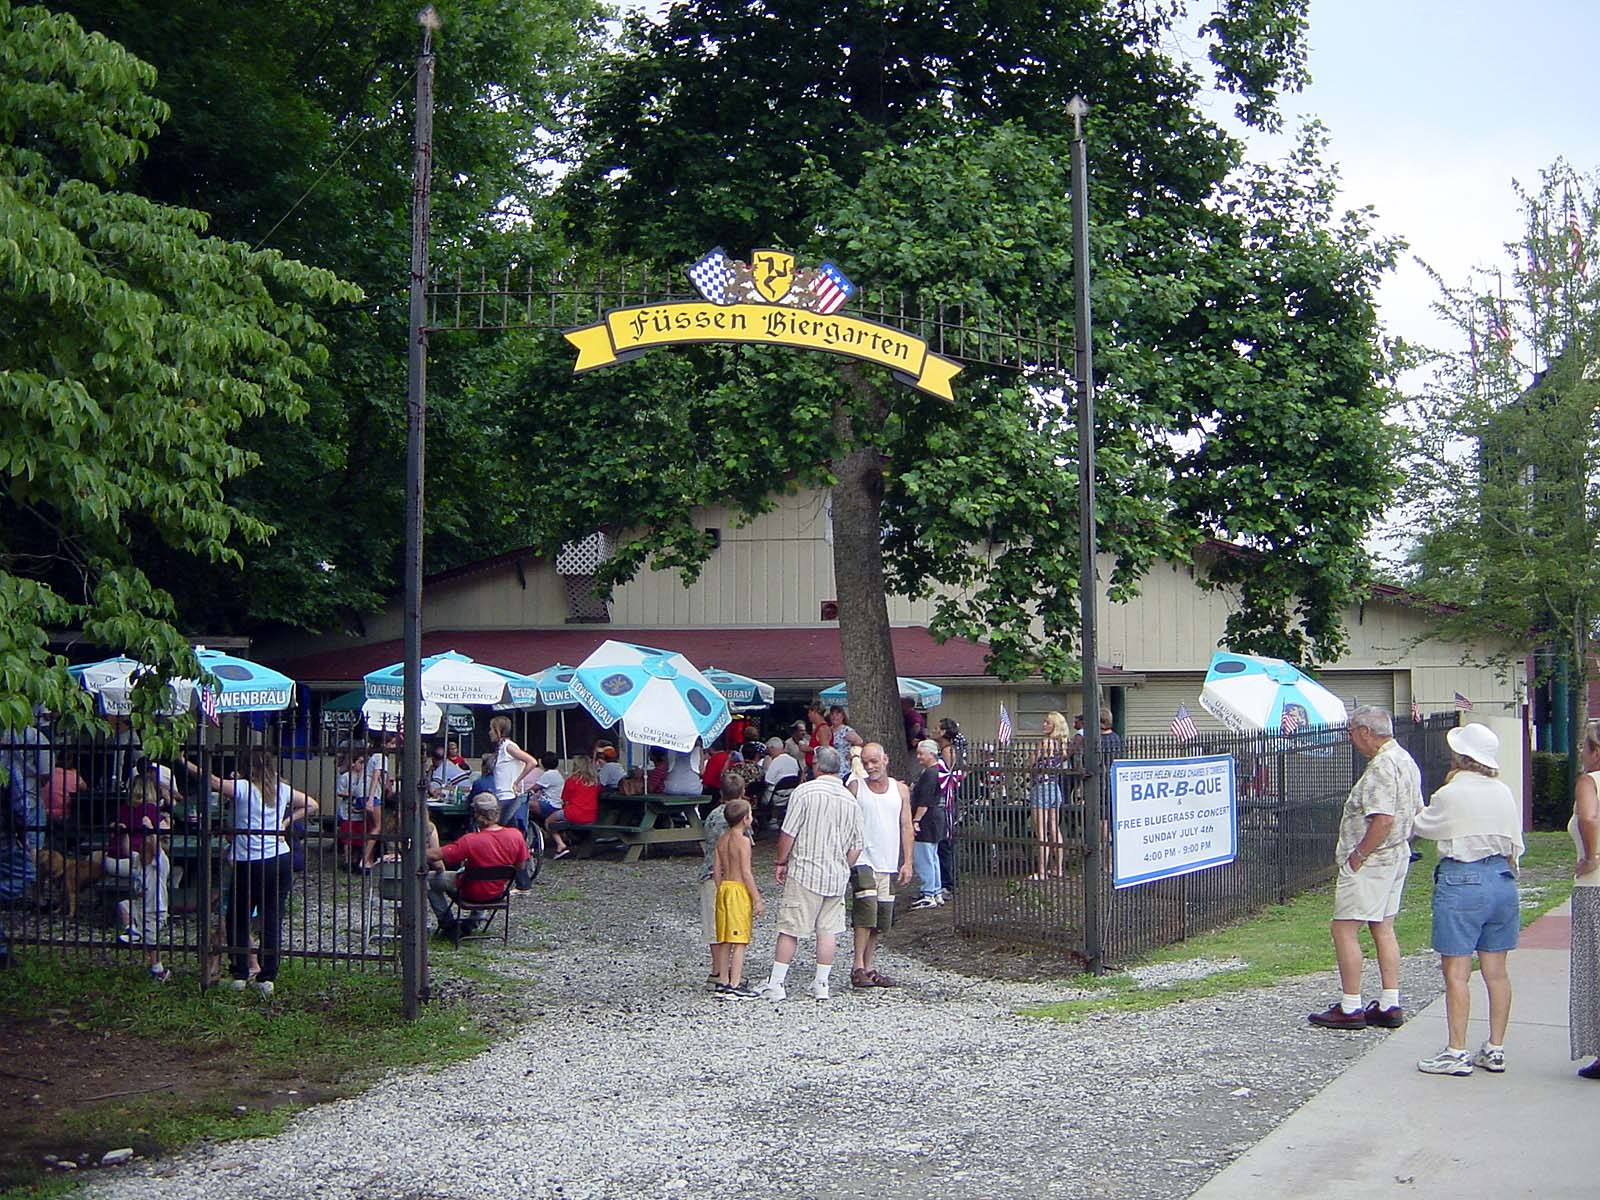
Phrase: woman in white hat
[1476,910]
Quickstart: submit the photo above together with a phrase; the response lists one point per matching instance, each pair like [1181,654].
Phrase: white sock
[1492,1046]
[780,972]
[1349,1003]
[823,972]
[1389,998]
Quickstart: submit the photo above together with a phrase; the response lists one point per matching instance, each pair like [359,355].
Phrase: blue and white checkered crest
[711,276]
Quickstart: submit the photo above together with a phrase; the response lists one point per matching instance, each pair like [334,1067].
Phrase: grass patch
[124,1061]
[1291,939]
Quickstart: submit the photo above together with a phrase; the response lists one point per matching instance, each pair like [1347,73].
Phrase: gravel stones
[629,1080]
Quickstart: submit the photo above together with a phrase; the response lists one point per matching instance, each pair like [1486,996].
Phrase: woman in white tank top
[1583,1014]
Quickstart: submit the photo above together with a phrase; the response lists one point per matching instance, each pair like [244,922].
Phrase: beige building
[764,606]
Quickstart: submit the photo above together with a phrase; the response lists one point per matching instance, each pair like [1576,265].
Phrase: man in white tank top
[886,823]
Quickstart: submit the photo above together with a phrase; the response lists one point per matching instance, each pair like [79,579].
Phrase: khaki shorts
[801,912]
[708,911]
[1372,893]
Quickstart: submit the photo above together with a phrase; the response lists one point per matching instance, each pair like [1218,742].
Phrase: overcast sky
[1433,107]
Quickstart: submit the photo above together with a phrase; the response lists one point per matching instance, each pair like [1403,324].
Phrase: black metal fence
[176,866]
[1021,846]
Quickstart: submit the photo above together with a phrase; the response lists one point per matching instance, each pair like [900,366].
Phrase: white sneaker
[160,973]
[820,989]
[1446,1062]
[771,991]
[264,986]
[926,902]
[237,985]
[1490,1060]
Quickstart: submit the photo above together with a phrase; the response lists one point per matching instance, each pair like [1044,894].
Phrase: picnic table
[640,821]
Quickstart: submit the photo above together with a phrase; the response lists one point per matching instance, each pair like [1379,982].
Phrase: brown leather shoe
[882,980]
[1336,1018]
[860,978]
[1384,1018]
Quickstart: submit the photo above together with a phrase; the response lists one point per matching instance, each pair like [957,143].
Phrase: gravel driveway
[629,1081]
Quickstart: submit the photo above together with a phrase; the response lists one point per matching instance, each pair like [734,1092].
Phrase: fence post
[1285,832]
[203,900]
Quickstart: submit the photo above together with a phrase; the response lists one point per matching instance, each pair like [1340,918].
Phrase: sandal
[561,854]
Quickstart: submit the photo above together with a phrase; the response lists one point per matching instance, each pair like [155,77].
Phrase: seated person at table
[683,772]
[143,915]
[490,844]
[781,764]
[655,779]
[580,804]
[452,751]
[547,789]
[484,783]
[611,772]
[711,774]
[445,774]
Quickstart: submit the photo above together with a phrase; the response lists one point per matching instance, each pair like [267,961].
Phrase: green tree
[134,349]
[923,147]
[291,123]
[1503,488]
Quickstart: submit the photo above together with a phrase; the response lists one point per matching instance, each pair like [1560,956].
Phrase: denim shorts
[1475,906]
[1046,794]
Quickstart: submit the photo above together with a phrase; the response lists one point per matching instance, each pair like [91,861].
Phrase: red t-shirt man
[497,846]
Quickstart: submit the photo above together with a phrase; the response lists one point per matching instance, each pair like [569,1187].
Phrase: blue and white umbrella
[555,686]
[111,683]
[241,686]
[920,691]
[244,686]
[451,678]
[741,691]
[1251,694]
[658,695]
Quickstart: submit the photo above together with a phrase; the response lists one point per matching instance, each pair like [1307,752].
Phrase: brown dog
[68,875]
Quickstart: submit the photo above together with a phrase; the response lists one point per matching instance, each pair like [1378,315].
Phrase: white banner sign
[1172,816]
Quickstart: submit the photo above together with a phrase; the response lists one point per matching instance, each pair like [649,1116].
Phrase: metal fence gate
[1022,876]
[126,858]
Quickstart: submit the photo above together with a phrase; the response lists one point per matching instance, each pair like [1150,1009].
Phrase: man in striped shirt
[821,840]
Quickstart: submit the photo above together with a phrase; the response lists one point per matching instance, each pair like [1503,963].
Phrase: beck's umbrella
[658,695]
[741,691]
[389,716]
[919,691]
[451,678]
[1250,694]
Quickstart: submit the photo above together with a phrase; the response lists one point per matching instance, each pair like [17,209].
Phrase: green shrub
[1552,791]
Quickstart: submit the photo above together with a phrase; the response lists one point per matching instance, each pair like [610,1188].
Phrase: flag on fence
[1416,712]
[1463,703]
[1183,727]
[208,705]
[1003,734]
[1291,718]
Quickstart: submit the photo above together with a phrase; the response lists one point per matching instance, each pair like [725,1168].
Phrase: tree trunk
[869,667]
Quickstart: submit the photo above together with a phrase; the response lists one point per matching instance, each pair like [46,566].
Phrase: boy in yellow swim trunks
[737,902]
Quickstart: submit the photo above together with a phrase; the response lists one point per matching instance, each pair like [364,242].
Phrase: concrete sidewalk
[1385,1129]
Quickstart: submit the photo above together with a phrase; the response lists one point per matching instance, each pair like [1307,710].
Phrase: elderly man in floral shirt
[1373,856]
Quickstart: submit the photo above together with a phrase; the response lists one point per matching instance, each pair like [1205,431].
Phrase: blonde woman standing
[1047,795]
[1584,827]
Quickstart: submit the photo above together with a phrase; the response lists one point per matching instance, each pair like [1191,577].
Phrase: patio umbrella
[741,691]
[1248,693]
[555,686]
[244,686]
[111,683]
[451,678]
[389,716]
[658,695]
[925,694]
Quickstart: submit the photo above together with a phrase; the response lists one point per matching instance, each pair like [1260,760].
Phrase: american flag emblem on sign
[831,288]
[1183,727]
[711,276]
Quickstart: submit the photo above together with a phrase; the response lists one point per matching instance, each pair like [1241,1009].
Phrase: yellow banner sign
[627,332]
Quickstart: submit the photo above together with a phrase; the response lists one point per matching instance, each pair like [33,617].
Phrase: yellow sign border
[628,332]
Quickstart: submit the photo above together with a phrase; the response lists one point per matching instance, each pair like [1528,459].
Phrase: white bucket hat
[1476,742]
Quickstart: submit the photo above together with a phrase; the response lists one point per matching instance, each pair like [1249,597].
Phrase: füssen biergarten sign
[767,301]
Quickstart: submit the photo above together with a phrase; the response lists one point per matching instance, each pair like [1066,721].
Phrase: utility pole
[413,807]
[1083,371]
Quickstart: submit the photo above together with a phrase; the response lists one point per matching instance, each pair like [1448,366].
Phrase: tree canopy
[134,351]
[1503,488]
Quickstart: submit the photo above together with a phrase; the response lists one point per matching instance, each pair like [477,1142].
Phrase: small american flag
[832,289]
[1183,727]
[1003,734]
[1416,712]
[1291,718]
[208,706]
[1463,703]
[1575,249]
[712,275]
[1502,326]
